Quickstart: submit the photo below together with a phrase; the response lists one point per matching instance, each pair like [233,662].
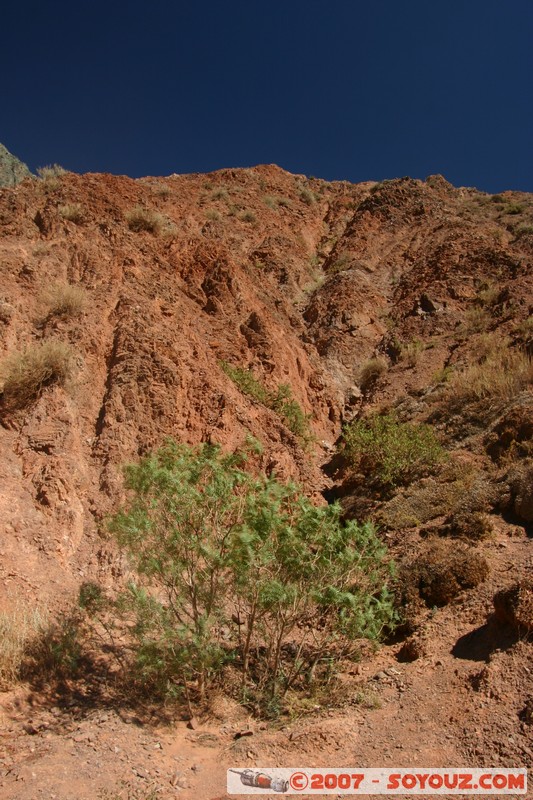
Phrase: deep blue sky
[347,89]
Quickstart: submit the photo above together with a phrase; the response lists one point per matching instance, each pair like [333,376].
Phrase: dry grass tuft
[24,375]
[370,371]
[65,300]
[73,212]
[145,219]
[500,374]
[19,630]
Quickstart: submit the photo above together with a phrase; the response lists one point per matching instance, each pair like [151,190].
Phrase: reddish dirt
[302,280]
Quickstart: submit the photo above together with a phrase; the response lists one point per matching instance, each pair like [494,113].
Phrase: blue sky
[339,89]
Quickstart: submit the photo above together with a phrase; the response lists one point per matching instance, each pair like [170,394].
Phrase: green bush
[389,451]
[242,570]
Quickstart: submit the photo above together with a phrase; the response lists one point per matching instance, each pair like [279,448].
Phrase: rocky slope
[304,282]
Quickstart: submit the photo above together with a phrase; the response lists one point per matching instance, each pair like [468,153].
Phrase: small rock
[240,734]
[193,724]
[31,730]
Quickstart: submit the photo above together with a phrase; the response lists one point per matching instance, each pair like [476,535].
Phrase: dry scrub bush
[50,176]
[73,212]
[65,300]
[370,371]
[145,219]
[19,629]
[441,571]
[24,375]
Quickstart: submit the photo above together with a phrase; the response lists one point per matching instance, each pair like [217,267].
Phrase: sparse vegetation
[50,176]
[220,194]
[370,371]
[141,219]
[24,375]
[341,263]
[501,372]
[391,452]
[19,629]
[248,216]
[73,212]
[513,208]
[64,300]
[410,352]
[281,401]
[212,214]
[441,571]
[307,196]
[242,570]
[275,202]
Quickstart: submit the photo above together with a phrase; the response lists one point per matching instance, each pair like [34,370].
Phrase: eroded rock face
[12,171]
[299,280]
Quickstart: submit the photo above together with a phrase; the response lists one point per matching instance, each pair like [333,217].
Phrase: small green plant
[161,190]
[64,300]
[523,230]
[389,451]
[241,569]
[73,212]
[24,375]
[290,411]
[477,319]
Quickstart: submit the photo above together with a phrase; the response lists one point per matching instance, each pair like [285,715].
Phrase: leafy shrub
[243,570]
[65,300]
[73,212]
[24,375]
[389,451]
[370,371]
[145,219]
